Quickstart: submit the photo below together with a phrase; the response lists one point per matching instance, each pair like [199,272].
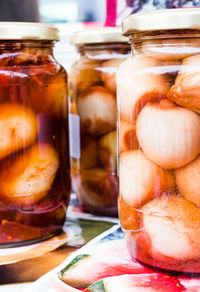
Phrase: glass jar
[93,117]
[158,91]
[34,162]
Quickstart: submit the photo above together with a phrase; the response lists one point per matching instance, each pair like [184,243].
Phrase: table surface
[78,230]
[14,287]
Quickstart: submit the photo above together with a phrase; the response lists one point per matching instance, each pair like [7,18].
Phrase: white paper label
[74,136]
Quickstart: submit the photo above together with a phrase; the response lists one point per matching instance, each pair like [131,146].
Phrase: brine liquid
[159,152]
[34,162]
[93,108]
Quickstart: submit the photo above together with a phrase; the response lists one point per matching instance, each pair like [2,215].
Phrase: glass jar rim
[28,31]
[99,35]
[165,19]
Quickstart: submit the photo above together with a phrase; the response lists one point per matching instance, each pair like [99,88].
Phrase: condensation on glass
[158,91]
[93,118]
[34,162]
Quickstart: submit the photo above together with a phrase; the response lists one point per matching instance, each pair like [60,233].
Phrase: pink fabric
[111,13]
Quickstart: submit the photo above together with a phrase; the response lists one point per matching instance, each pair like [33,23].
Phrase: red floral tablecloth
[105,265]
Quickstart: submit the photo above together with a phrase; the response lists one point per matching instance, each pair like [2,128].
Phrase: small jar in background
[93,117]
[158,91]
[34,160]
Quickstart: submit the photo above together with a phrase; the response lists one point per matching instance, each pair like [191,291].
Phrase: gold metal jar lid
[28,31]
[167,19]
[99,35]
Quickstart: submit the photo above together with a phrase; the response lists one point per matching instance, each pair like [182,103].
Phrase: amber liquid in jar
[158,92]
[93,113]
[34,162]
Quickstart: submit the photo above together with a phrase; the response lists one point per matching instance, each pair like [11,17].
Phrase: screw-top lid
[168,19]
[28,31]
[99,35]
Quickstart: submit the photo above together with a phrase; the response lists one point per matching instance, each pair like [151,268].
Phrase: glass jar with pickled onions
[158,91]
[34,162]
[93,118]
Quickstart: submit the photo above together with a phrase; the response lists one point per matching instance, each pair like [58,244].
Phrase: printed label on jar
[74,136]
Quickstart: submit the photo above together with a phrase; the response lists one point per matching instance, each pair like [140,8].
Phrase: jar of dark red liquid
[34,162]
[158,90]
[93,118]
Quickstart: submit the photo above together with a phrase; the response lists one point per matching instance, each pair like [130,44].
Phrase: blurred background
[52,11]
[73,15]
[71,10]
